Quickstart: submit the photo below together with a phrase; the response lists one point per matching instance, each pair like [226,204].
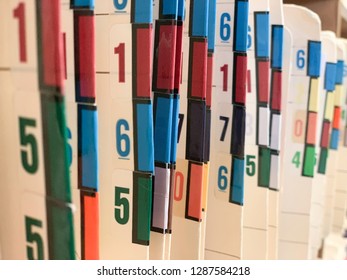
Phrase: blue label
[211,25]
[262,35]
[145,140]
[163,128]
[83,4]
[237,184]
[339,72]
[241,26]
[143,12]
[169,8]
[314,58]
[334,141]
[199,18]
[181,10]
[88,146]
[277,47]
[330,76]
[175,121]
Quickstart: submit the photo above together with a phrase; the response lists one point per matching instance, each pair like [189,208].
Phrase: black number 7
[225,127]
[180,124]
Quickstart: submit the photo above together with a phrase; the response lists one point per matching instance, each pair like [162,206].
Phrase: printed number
[120,50]
[179,181]
[222,178]
[180,125]
[19,13]
[296,159]
[249,38]
[225,29]
[69,148]
[300,59]
[121,211]
[224,69]
[122,139]
[225,127]
[249,81]
[250,165]
[120,4]
[298,128]
[33,238]
[25,140]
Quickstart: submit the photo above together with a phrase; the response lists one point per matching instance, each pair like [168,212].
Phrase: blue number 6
[120,6]
[123,150]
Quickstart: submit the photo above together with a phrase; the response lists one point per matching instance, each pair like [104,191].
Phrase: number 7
[225,127]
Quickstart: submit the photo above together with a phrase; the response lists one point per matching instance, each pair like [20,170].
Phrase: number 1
[19,13]
[120,50]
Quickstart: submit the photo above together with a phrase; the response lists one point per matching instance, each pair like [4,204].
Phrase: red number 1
[121,62]
[19,13]
[224,69]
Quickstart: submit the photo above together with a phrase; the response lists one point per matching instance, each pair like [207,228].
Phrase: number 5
[250,169]
[33,237]
[28,139]
[121,202]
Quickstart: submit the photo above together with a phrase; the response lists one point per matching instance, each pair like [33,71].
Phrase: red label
[52,45]
[276,91]
[143,63]
[86,56]
[240,78]
[198,66]
[209,80]
[263,69]
[165,52]
[325,135]
[178,62]
[90,226]
[311,128]
[195,186]
[337,117]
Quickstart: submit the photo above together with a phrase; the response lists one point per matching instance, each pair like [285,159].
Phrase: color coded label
[238,132]
[237,183]
[142,54]
[277,46]
[163,109]
[84,34]
[197,68]
[141,11]
[143,135]
[142,208]
[195,130]
[198,18]
[194,191]
[314,58]
[309,161]
[88,147]
[262,34]
[264,167]
[239,78]
[164,56]
[240,26]
[90,225]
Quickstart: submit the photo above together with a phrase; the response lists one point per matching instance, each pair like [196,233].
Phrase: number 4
[296,159]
